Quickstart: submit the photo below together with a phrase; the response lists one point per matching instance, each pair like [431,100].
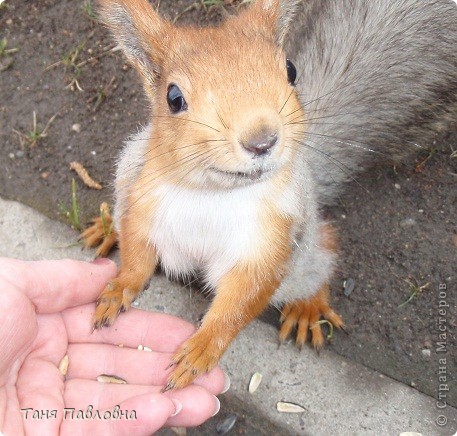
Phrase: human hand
[45,316]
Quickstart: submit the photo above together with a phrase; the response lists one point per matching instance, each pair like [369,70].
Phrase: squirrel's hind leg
[305,316]
[100,234]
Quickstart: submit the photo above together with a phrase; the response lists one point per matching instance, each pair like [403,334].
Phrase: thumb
[54,285]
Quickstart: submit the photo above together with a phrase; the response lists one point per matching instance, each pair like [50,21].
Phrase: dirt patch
[398,230]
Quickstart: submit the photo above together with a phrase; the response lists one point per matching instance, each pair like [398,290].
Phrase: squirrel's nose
[261,142]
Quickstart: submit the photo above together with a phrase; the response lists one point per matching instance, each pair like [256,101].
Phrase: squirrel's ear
[277,14]
[141,34]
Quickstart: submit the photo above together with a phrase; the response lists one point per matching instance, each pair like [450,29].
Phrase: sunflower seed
[105,378]
[255,382]
[63,365]
[284,407]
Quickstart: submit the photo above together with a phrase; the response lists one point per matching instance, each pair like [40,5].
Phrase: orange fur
[95,236]
[305,314]
[242,295]
[138,262]
[328,238]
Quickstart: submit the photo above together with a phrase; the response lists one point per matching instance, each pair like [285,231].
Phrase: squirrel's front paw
[305,314]
[100,234]
[115,298]
[199,354]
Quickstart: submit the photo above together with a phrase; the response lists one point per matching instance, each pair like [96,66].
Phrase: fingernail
[226,384]
[178,406]
[218,406]
[102,261]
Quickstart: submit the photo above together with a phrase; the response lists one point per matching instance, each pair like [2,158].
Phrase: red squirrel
[247,139]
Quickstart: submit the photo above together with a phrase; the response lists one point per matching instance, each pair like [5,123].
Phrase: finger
[198,406]
[158,331]
[39,383]
[88,361]
[54,285]
[140,415]
[18,328]
[197,403]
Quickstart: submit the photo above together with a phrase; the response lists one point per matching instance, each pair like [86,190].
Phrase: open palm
[46,316]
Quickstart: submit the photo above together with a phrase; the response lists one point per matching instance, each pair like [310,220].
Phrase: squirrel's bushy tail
[378,80]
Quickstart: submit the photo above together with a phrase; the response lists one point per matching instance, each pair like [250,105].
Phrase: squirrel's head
[224,107]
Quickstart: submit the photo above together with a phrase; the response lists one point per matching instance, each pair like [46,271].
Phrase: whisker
[145,157]
[188,120]
[294,89]
[352,143]
[178,184]
[293,112]
[176,165]
[221,119]
[321,167]
[307,103]
[342,167]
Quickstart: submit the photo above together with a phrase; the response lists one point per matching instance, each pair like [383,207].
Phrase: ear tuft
[139,31]
[279,13]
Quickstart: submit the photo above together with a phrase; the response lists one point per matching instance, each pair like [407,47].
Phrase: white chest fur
[209,231]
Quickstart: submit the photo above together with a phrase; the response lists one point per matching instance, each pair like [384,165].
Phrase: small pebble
[408,222]
[19,153]
[9,21]
[421,210]
[11,155]
[224,426]
[93,153]
[76,127]
[426,353]
[45,175]
[397,186]
[349,286]
[6,63]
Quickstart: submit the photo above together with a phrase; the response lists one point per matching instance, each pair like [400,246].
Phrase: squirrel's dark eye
[291,72]
[175,99]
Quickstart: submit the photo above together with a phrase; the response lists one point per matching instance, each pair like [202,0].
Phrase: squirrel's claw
[198,355]
[100,235]
[114,299]
[305,315]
